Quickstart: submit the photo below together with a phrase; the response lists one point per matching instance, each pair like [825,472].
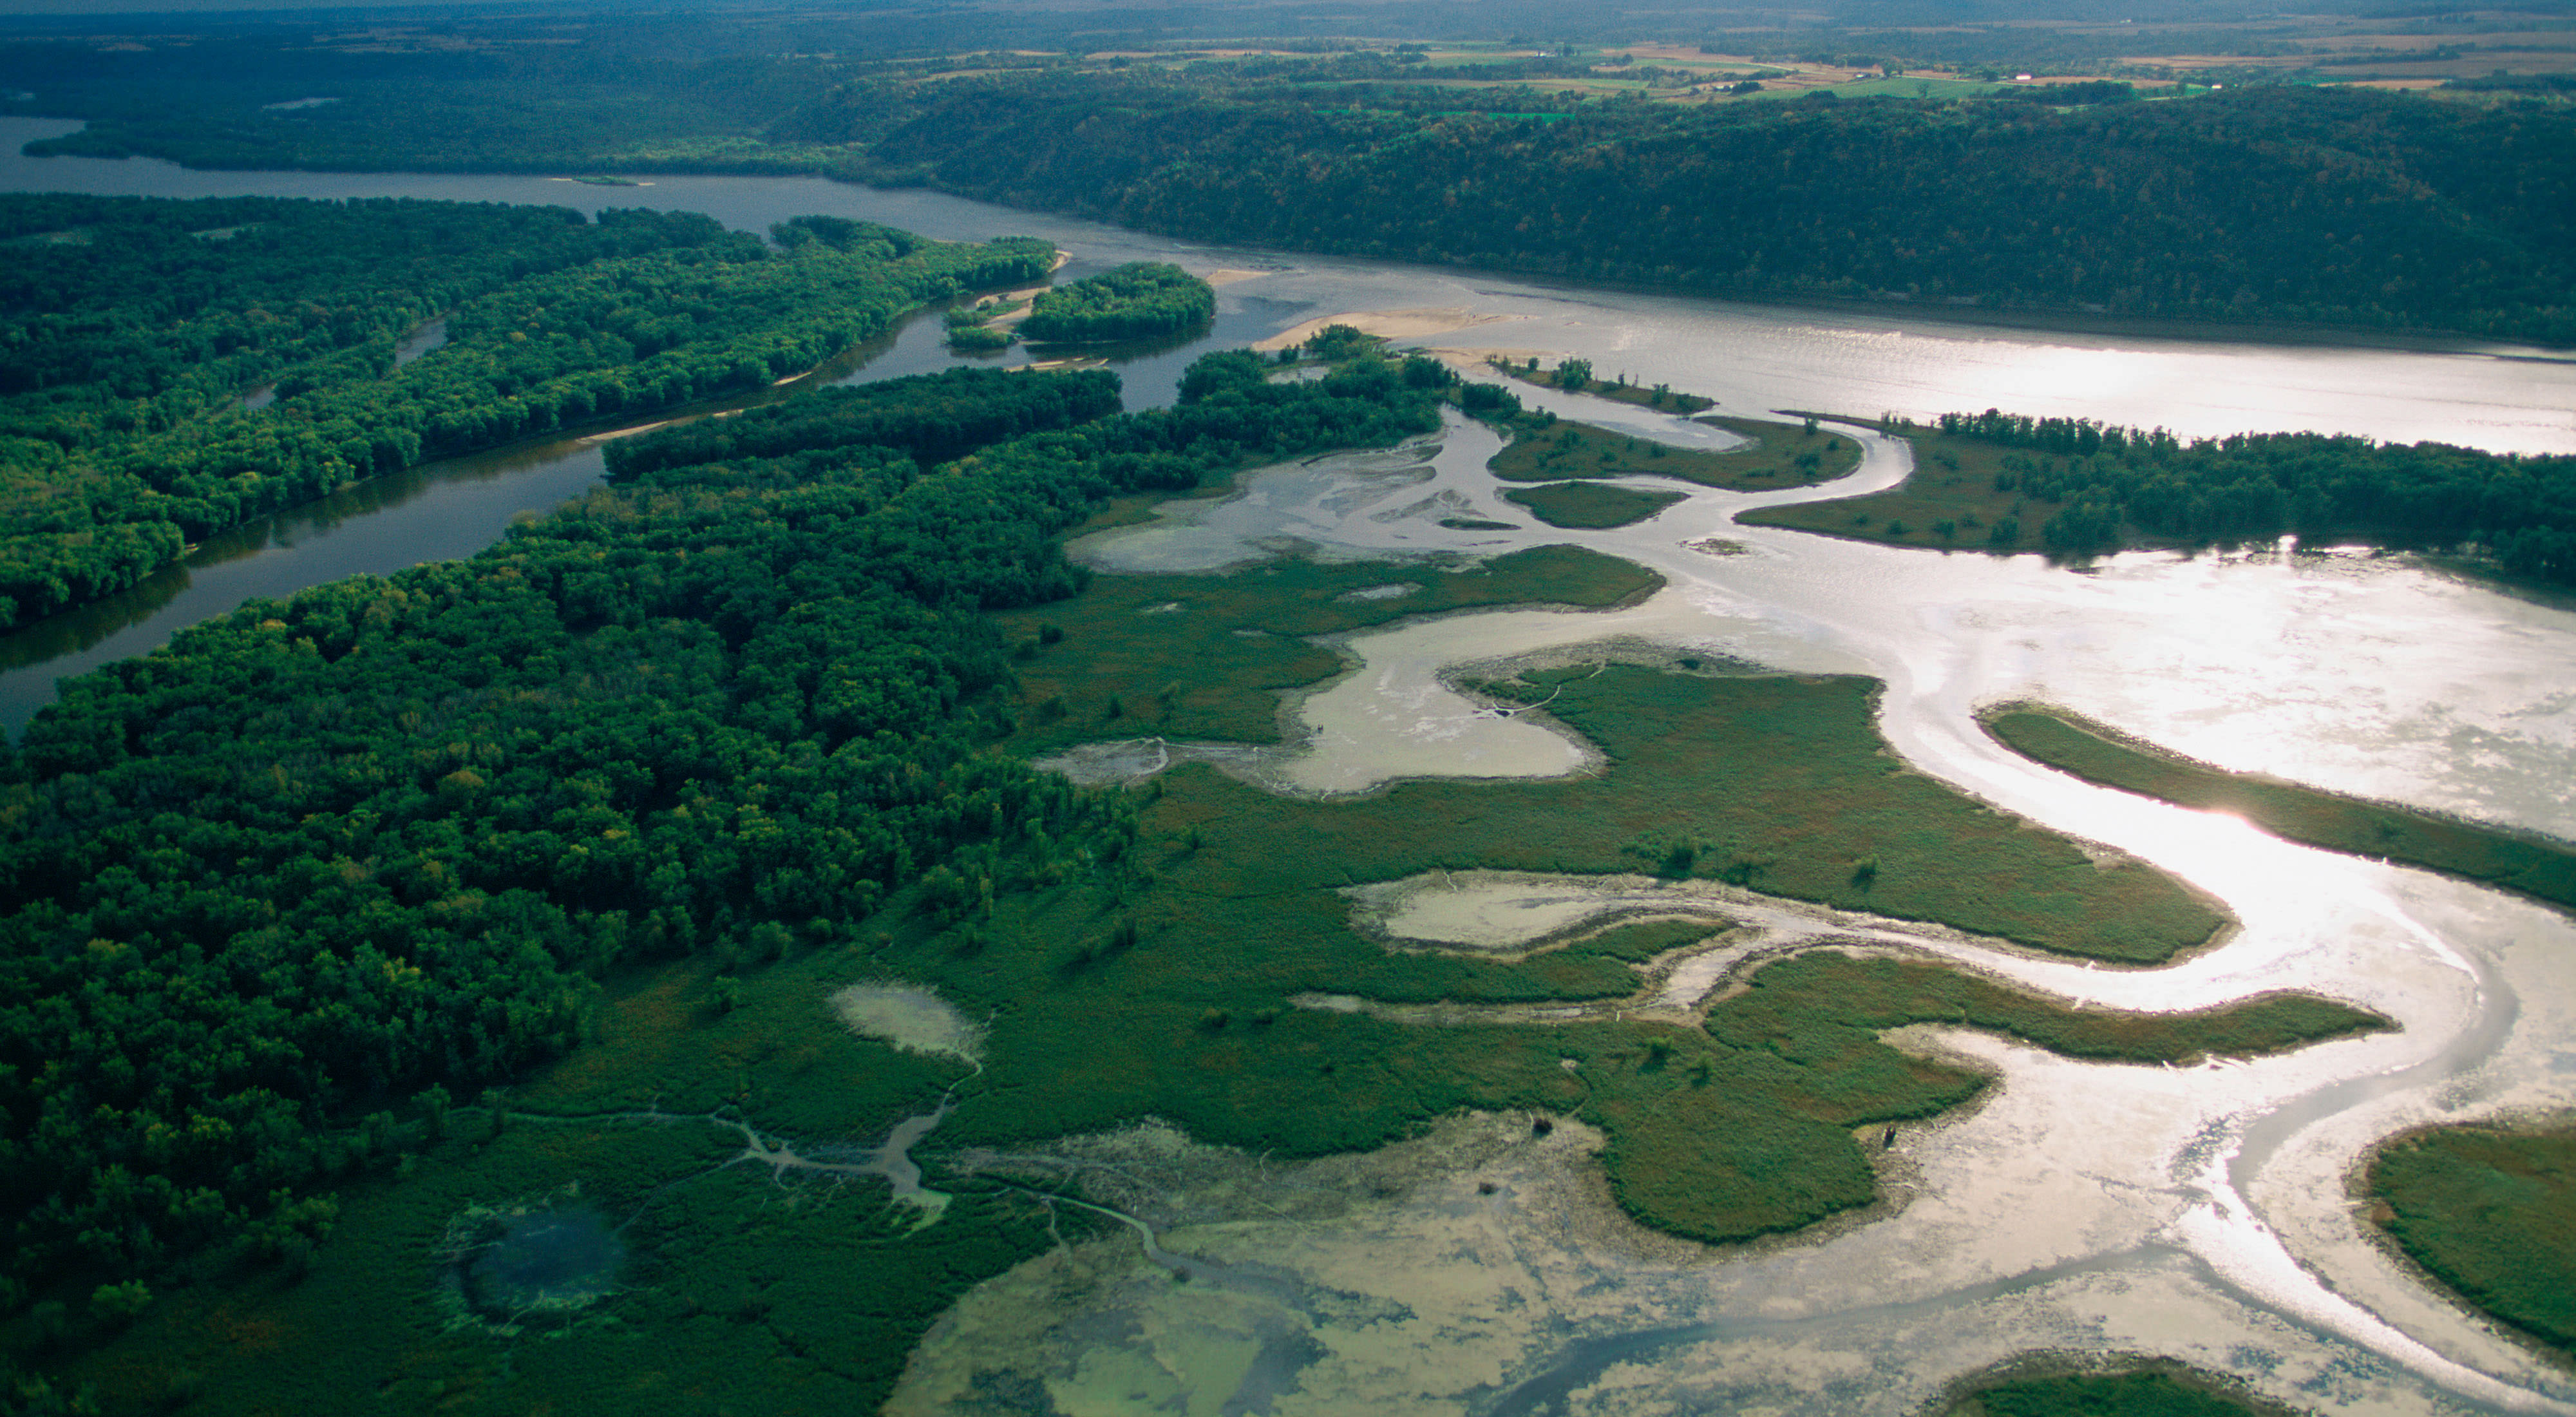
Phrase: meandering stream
[2197,1212]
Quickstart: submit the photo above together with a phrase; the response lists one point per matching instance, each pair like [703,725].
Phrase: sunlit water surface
[2201,1212]
[2198,1212]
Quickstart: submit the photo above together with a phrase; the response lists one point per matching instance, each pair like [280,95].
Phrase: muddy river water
[2198,1212]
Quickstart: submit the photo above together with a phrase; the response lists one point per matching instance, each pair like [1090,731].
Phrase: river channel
[2197,1212]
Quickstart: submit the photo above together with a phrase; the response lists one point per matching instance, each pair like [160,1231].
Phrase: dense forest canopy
[133,330]
[2342,207]
[1139,300]
[319,855]
[2102,484]
[932,418]
[2345,206]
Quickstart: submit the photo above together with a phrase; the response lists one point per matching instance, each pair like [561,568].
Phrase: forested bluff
[2345,207]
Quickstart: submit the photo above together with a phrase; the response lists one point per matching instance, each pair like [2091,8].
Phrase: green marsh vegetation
[605,815]
[1957,498]
[1207,657]
[2157,1389]
[1139,300]
[1589,504]
[2490,1212]
[1773,782]
[2070,487]
[1575,376]
[1779,455]
[2527,864]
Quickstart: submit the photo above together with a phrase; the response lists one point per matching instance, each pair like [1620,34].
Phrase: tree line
[370,848]
[2342,206]
[2108,482]
[133,342]
[934,418]
[2335,206]
[1139,300]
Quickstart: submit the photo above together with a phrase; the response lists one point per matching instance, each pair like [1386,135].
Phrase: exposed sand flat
[1469,359]
[1389,324]
[1229,275]
[913,1019]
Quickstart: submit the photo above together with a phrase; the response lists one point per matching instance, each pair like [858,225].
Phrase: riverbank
[1958,497]
[1661,397]
[2489,1212]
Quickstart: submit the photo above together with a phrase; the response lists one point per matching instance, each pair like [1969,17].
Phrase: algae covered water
[2199,1212]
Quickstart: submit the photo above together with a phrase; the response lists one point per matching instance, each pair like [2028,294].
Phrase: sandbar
[1389,324]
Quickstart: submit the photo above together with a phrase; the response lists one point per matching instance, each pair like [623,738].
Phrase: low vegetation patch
[2542,869]
[1777,783]
[1206,657]
[2160,1389]
[1589,505]
[1776,455]
[1959,497]
[1575,376]
[2492,1214]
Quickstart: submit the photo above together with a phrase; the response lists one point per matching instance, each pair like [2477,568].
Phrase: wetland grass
[1589,505]
[2492,1214]
[1950,502]
[2529,865]
[1618,391]
[1167,992]
[1777,455]
[1206,657]
[1779,783]
[2159,1390]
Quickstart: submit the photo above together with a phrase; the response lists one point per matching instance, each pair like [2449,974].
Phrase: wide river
[2201,1213]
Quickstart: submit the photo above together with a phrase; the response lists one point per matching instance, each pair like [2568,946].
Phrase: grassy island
[2517,861]
[1776,455]
[1589,505]
[1206,657]
[2491,1213]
